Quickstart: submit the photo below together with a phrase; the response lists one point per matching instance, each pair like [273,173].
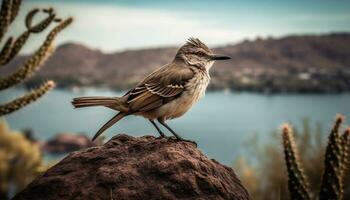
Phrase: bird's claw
[190,141]
[182,140]
[162,137]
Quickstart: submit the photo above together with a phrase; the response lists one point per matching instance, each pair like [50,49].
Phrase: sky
[116,25]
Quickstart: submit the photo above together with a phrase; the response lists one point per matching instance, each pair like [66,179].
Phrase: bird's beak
[220,57]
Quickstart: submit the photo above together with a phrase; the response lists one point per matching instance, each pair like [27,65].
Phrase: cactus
[8,13]
[331,186]
[296,179]
[345,143]
[41,25]
[5,52]
[26,99]
[16,4]
[5,17]
[335,164]
[34,62]
[16,47]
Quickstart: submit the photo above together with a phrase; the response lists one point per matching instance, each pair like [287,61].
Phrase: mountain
[313,63]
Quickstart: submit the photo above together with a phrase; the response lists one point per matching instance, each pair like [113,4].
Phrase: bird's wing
[160,87]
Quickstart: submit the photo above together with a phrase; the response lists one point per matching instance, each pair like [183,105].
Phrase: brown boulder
[129,167]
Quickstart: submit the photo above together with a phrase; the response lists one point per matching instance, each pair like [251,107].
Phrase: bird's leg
[162,135]
[171,130]
[162,121]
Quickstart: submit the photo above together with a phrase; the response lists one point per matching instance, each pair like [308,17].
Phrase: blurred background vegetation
[264,170]
[20,161]
[21,157]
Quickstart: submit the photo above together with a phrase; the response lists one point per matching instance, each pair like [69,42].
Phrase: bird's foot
[162,137]
[182,140]
[190,141]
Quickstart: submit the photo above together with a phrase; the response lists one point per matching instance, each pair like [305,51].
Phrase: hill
[315,63]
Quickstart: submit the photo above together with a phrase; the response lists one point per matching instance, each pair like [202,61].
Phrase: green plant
[262,166]
[332,179]
[20,160]
[8,13]
[335,162]
[297,185]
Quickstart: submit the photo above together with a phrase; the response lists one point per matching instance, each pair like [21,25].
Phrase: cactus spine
[5,17]
[345,143]
[331,186]
[5,52]
[296,179]
[8,13]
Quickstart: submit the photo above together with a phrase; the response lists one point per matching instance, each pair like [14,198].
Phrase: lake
[220,123]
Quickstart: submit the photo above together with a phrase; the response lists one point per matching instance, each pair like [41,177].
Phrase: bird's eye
[201,54]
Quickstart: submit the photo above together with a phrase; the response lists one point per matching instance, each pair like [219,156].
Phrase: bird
[167,93]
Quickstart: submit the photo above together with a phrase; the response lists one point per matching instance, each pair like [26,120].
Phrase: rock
[129,167]
[66,142]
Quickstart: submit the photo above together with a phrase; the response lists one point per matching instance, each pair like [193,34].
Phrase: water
[220,123]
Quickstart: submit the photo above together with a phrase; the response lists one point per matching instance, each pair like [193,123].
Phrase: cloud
[111,27]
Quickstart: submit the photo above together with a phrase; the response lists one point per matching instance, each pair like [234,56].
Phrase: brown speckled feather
[160,87]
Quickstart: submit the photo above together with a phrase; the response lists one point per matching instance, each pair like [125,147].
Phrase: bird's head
[196,53]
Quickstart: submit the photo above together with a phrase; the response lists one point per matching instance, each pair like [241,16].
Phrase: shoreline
[239,89]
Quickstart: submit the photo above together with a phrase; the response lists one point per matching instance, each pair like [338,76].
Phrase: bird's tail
[116,103]
[112,121]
